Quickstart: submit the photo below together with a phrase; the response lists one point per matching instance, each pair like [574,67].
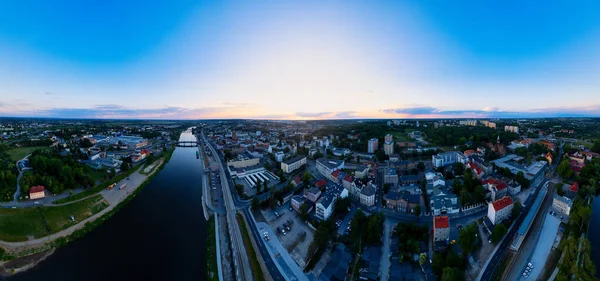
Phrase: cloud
[345,114]
[490,109]
[313,114]
[494,112]
[414,110]
[48,93]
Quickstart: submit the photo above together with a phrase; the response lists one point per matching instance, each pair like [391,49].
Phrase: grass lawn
[400,136]
[19,153]
[22,224]
[97,175]
[212,272]
[97,188]
[256,270]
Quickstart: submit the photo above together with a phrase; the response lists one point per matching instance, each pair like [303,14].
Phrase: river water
[159,235]
[592,234]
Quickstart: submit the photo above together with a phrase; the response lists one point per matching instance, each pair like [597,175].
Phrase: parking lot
[543,246]
[298,235]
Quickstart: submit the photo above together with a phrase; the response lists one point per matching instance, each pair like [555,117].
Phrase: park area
[19,153]
[30,223]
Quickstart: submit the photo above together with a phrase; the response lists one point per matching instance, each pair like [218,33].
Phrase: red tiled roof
[574,187]
[498,183]
[335,173]
[321,183]
[348,178]
[297,179]
[469,152]
[36,189]
[441,222]
[502,203]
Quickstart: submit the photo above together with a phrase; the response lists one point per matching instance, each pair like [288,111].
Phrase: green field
[28,223]
[400,136]
[212,272]
[19,153]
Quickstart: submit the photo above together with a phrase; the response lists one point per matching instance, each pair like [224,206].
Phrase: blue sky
[299,59]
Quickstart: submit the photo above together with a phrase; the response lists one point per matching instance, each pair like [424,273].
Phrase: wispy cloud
[313,114]
[492,112]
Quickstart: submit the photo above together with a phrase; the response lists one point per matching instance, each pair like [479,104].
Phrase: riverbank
[30,251]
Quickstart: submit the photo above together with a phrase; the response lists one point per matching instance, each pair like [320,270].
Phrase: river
[595,239]
[159,235]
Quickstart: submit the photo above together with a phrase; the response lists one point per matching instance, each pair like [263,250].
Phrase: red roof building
[321,183]
[502,203]
[574,187]
[36,192]
[441,222]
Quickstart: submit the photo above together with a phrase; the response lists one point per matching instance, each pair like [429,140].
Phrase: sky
[299,59]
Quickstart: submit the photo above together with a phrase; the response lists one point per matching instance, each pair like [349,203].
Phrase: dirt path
[113,196]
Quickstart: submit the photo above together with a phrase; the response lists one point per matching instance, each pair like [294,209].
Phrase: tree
[303,212]
[516,209]
[452,274]
[459,169]
[418,210]
[255,203]
[421,166]
[564,169]
[596,146]
[524,182]
[307,177]
[386,187]
[124,166]
[467,238]
[498,232]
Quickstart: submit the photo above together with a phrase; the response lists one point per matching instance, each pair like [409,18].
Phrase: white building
[562,204]
[279,156]
[388,148]
[441,228]
[325,206]
[448,158]
[367,195]
[500,210]
[292,164]
[372,145]
[327,166]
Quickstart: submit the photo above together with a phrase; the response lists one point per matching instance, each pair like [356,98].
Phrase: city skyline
[309,60]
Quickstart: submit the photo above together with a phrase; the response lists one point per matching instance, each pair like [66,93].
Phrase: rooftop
[502,203]
[441,222]
[294,159]
[37,188]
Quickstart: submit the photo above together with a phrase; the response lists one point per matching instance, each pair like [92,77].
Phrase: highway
[240,257]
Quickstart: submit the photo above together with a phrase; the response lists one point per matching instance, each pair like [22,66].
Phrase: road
[384,270]
[242,263]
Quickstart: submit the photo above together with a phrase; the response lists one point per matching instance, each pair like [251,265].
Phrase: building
[312,194]
[514,129]
[402,201]
[448,158]
[389,138]
[243,160]
[361,172]
[441,228]
[514,187]
[497,188]
[279,156]
[36,192]
[292,164]
[325,206]
[327,166]
[407,180]
[388,148]
[444,203]
[500,210]
[297,202]
[390,176]
[562,204]
[367,195]
[372,145]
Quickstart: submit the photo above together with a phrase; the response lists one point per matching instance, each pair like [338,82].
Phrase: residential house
[500,209]
[36,192]
[293,164]
[390,176]
[562,204]
[497,188]
[367,195]
[326,166]
[312,194]
[441,228]
[361,172]
[514,187]
[297,202]
[402,201]
[325,206]
[407,180]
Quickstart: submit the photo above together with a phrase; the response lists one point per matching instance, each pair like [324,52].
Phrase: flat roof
[532,212]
